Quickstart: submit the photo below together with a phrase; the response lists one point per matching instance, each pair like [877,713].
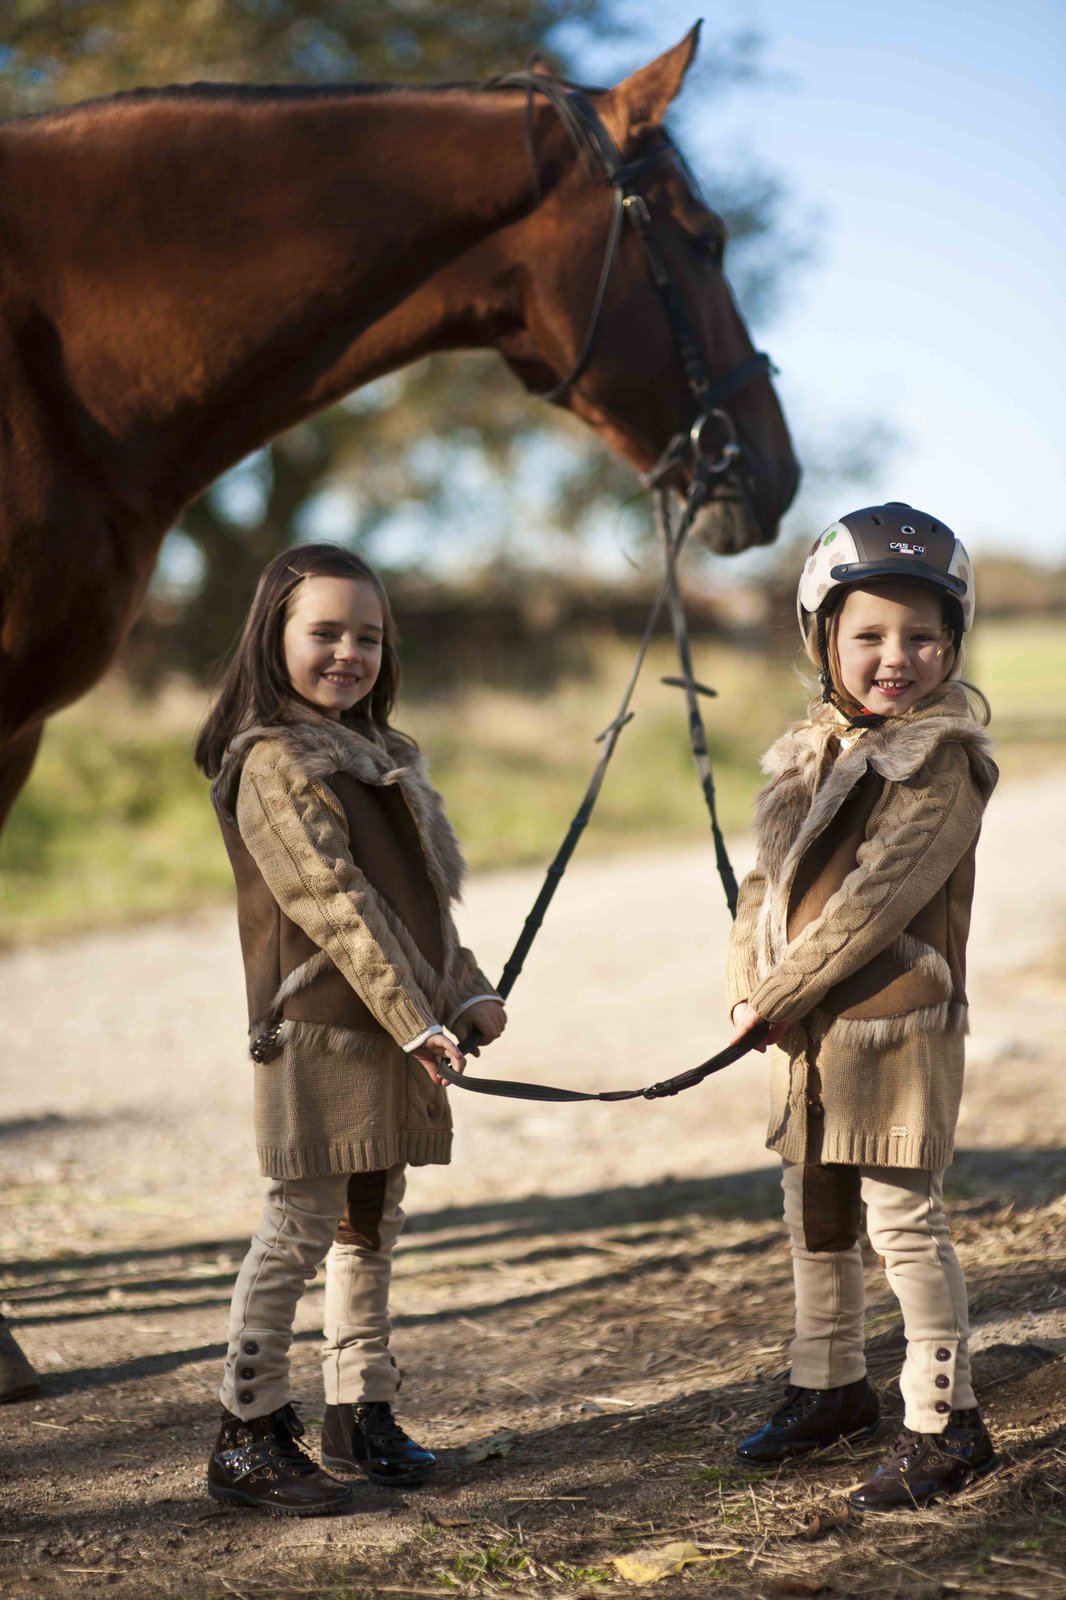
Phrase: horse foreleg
[17,1377]
[17,756]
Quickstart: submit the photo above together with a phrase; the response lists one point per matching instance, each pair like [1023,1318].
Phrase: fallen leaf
[816,1524]
[449,1522]
[497,1444]
[648,1566]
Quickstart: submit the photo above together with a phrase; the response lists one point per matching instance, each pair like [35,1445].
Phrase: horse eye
[710,247]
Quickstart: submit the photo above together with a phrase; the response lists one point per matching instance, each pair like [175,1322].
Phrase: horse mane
[556,89]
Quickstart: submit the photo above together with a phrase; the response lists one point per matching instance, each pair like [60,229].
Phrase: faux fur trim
[918,956]
[791,810]
[322,747]
[326,1037]
[300,977]
[949,1016]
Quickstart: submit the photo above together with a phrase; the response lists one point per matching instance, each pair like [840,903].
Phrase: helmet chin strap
[859,719]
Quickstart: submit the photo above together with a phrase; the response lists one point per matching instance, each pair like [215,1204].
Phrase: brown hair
[255,687]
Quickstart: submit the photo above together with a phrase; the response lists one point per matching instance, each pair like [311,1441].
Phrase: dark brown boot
[810,1419]
[17,1378]
[367,1438]
[259,1463]
[925,1466]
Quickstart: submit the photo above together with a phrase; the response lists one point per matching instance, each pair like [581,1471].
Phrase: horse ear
[642,99]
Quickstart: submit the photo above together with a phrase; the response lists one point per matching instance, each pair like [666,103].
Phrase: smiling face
[891,646]
[332,640]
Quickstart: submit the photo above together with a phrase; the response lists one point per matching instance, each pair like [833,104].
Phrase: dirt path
[608,1283]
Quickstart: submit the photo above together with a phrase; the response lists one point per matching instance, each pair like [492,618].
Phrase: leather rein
[693,440]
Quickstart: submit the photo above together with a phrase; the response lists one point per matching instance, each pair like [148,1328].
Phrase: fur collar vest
[810,772]
[321,747]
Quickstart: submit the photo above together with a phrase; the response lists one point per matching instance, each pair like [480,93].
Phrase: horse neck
[230,255]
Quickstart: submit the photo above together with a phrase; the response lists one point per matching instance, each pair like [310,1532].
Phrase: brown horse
[186,272]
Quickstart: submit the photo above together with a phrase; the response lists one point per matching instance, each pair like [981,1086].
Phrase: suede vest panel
[259,923]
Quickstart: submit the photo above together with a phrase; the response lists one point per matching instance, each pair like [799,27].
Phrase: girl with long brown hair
[346,869]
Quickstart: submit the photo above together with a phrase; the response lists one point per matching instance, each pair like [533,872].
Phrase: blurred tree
[444,439]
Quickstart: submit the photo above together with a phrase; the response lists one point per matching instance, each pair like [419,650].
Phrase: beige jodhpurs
[907,1228]
[350,1223]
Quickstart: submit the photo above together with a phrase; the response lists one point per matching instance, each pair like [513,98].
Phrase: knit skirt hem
[870,1150]
[418,1147]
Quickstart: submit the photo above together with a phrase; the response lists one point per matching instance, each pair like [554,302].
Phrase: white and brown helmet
[886,544]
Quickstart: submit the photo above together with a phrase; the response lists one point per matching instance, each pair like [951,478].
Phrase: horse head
[634,329]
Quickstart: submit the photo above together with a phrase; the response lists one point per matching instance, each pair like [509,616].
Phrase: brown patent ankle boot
[367,1438]
[257,1462]
[811,1419]
[923,1467]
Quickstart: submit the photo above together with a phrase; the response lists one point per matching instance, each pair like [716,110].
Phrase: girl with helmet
[850,941]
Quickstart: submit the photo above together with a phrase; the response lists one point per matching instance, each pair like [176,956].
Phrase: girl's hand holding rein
[487,1017]
[744,1018]
[437,1048]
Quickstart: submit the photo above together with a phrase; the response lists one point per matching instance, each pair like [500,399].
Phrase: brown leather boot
[367,1438]
[811,1419]
[924,1466]
[259,1463]
[17,1377]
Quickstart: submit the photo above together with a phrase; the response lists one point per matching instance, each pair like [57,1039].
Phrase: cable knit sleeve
[466,983]
[741,976]
[296,831]
[916,837]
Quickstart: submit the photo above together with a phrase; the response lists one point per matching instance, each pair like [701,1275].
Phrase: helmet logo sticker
[902,548]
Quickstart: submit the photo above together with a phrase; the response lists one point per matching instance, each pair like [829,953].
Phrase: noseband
[710,422]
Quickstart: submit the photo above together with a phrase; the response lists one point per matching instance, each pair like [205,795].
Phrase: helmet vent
[934,527]
[876,518]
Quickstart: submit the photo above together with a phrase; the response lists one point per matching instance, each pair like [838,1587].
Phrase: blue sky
[923,145]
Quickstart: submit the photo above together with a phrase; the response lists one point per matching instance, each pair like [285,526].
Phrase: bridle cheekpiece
[712,428]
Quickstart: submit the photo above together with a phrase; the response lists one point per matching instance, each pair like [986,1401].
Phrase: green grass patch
[506,1559]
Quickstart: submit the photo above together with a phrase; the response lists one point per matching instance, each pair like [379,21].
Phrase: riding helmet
[885,544]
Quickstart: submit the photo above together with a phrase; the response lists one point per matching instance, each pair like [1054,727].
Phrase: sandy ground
[125,1143]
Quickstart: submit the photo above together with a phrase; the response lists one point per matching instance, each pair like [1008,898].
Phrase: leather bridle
[710,421]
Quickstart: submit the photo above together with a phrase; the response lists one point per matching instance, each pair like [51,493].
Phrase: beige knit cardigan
[851,931]
[329,832]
